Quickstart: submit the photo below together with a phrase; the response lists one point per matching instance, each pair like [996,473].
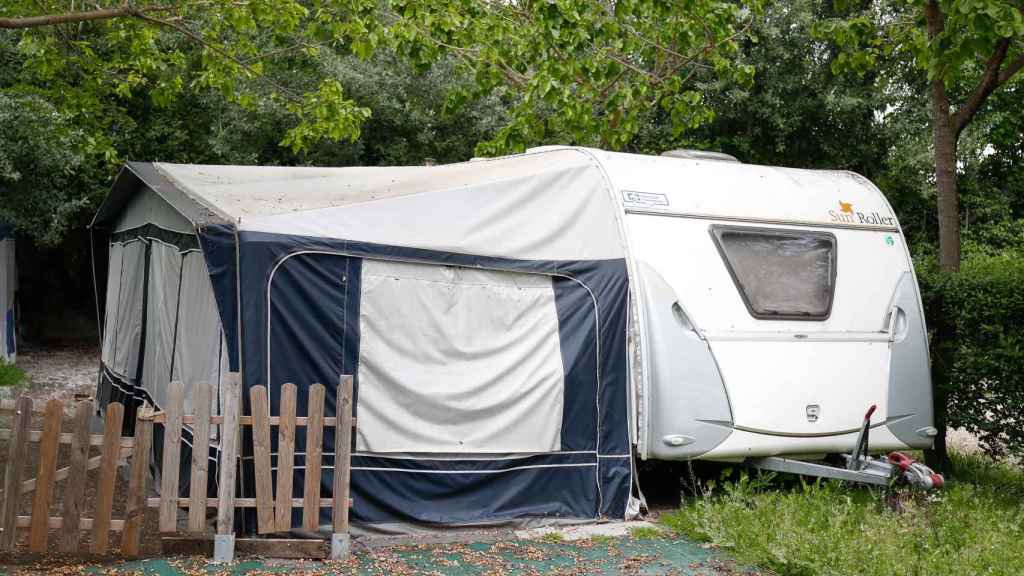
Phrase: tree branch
[220,51]
[71,17]
[1010,69]
[990,80]
[52,19]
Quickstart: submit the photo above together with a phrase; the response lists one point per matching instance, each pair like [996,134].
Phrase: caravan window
[781,274]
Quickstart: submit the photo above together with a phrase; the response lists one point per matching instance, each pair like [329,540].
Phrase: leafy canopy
[898,28]
[86,63]
[577,71]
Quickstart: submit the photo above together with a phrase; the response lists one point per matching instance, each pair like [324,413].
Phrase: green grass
[973,526]
[645,533]
[10,374]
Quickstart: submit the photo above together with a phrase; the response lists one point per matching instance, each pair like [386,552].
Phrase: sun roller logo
[847,215]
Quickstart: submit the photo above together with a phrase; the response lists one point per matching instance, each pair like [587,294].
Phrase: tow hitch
[860,467]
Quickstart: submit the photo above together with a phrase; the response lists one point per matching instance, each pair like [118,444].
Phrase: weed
[645,533]
[974,526]
[602,540]
[553,538]
[10,375]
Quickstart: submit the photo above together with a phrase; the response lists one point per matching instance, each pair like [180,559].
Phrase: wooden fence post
[48,445]
[12,478]
[261,459]
[314,453]
[74,495]
[108,475]
[285,459]
[171,461]
[342,469]
[224,541]
[201,400]
[137,482]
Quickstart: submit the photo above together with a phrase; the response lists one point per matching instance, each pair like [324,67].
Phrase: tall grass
[973,526]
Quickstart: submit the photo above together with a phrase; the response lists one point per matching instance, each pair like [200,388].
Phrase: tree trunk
[944,141]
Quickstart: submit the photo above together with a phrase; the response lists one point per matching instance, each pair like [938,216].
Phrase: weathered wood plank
[342,455]
[47,470]
[261,459]
[67,437]
[201,399]
[266,547]
[240,503]
[55,523]
[108,476]
[281,548]
[314,454]
[136,510]
[161,417]
[28,486]
[228,453]
[16,452]
[172,458]
[285,459]
[74,494]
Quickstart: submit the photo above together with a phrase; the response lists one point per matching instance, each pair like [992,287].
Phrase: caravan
[522,329]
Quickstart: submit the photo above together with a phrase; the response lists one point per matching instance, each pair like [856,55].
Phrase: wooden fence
[114,451]
[274,514]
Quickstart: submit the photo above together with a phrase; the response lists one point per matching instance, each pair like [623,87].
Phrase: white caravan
[776,306]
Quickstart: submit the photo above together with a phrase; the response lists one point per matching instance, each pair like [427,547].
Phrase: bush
[985,387]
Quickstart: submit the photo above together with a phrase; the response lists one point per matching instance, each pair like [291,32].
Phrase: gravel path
[58,373]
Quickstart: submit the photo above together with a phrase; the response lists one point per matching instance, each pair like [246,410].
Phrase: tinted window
[781,274]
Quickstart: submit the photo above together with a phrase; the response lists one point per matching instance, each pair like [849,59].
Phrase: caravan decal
[847,215]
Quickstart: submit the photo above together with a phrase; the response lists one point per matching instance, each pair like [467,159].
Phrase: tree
[574,71]
[797,112]
[968,50]
[81,61]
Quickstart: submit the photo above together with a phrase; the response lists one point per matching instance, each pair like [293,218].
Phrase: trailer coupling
[860,466]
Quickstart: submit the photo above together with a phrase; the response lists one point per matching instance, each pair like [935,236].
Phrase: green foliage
[645,533]
[576,71]
[895,29]
[972,527]
[319,113]
[10,374]
[985,300]
[552,538]
[796,112]
[161,49]
[43,154]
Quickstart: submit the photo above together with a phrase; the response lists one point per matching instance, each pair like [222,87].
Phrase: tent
[482,308]
[8,292]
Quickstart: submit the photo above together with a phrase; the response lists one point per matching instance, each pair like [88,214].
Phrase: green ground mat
[666,555]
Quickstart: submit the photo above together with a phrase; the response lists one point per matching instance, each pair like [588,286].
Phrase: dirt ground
[58,373]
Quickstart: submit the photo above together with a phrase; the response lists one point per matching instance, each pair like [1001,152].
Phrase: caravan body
[521,328]
[776,306]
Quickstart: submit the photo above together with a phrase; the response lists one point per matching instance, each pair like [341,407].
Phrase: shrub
[985,387]
[10,375]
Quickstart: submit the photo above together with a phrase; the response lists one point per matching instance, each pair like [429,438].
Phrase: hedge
[985,388]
